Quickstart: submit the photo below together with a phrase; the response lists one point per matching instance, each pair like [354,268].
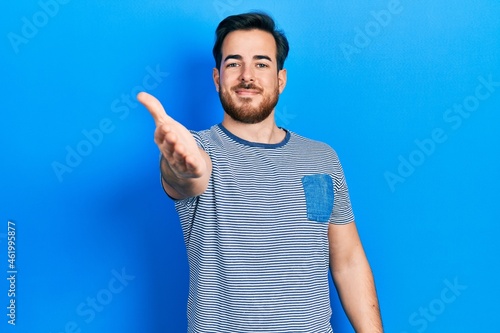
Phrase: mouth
[247,92]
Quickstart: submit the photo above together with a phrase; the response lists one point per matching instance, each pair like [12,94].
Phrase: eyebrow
[239,57]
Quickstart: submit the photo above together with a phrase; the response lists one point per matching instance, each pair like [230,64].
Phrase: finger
[166,148]
[179,152]
[154,107]
[171,147]
[164,134]
[193,165]
[176,159]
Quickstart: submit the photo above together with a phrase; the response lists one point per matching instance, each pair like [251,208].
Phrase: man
[264,211]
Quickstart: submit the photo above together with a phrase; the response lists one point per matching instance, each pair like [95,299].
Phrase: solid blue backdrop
[408,93]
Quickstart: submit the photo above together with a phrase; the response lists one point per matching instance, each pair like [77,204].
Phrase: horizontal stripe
[257,263]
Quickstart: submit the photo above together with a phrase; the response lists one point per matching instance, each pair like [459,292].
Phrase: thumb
[154,107]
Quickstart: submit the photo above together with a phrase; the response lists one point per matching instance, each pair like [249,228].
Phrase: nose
[247,74]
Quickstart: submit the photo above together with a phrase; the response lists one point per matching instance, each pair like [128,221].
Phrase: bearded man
[265,212]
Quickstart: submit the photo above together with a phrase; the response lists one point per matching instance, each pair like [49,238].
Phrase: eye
[262,65]
[232,64]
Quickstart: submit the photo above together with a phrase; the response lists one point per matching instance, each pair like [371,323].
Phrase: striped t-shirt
[257,238]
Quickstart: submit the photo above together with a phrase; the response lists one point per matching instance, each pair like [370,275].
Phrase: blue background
[380,81]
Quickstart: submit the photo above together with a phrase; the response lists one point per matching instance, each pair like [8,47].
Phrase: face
[249,82]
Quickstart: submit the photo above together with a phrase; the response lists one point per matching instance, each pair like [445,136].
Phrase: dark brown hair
[250,21]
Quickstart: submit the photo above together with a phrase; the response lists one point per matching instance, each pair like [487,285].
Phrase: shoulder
[206,137]
[311,145]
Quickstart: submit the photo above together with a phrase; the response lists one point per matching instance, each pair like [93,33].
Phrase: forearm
[356,288]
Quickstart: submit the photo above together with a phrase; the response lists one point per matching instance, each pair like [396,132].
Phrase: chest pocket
[318,190]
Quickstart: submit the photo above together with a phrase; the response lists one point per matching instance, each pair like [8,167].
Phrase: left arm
[353,278]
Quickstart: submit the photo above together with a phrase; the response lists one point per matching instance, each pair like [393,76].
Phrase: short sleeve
[342,209]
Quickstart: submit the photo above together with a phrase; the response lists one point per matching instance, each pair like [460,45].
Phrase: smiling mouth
[247,92]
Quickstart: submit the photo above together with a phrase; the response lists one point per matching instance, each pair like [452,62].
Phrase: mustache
[244,85]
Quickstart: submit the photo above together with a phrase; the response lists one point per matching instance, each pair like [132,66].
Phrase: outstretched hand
[175,142]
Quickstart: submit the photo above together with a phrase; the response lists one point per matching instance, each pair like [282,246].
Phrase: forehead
[249,43]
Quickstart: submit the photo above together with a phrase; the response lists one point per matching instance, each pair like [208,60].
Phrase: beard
[246,113]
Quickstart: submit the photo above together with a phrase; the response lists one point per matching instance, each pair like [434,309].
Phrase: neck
[264,132]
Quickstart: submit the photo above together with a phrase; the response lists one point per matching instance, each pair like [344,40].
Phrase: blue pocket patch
[319,196]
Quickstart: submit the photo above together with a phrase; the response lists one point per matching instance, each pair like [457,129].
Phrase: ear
[281,80]
[216,78]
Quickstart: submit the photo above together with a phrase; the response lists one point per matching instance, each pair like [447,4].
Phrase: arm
[185,168]
[353,278]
